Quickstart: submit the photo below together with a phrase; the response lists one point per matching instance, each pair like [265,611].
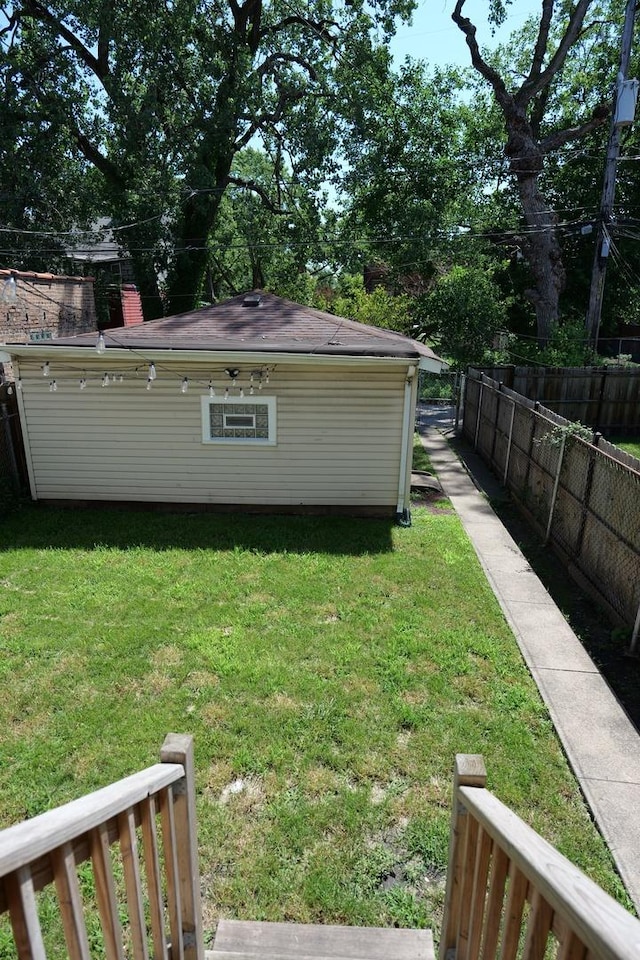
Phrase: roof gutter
[48,351]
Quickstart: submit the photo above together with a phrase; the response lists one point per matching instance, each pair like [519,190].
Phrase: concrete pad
[603,742]
[547,640]
[618,823]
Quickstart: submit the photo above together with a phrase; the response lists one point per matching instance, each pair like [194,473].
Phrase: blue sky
[435,38]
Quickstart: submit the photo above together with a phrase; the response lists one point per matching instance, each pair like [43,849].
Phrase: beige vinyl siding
[338,441]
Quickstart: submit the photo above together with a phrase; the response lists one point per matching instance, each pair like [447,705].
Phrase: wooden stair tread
[248,940]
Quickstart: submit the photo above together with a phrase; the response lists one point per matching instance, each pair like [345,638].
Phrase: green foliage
[568,346]
[462,314]
[379,308]
[567,433]
[158,100]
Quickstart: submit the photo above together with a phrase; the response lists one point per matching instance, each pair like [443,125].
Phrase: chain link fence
[582,492]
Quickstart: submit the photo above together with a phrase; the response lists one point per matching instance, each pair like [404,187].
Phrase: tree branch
[480,64]
[260,191]
[600,115]
[319,27]
[274,58]
[542,40]
[533,85]
[35,9]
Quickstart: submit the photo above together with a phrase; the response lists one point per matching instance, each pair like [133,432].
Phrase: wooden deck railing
[139,837]
[510,894]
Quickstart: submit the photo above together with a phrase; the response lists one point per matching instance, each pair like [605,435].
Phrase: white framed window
[250,420]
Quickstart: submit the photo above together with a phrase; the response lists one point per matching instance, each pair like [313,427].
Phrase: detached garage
[255,403]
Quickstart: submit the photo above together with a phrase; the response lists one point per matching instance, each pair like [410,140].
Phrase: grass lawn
[629,444]
[329,669]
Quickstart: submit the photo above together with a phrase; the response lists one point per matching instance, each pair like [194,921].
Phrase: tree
[462,314]
[403,184]
[532,135]
[159,98]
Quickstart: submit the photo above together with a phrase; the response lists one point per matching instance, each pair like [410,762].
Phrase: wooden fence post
[597,437]
[469,771]
[498,396]
[505,477]
[478,416]
[178,748]
[556,484]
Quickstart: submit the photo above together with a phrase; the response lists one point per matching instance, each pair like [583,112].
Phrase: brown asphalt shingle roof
[274,326]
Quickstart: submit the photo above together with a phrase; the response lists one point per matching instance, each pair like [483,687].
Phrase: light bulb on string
[266,379]
[9,291]
[149,382]
[83,383]
[152,371]
[251,390]
[100,344]
[226,393]
[242,393]
[10,390]
[212,391]
[185,385]
[19,383]
[105,380]
[45,368]
[53,386]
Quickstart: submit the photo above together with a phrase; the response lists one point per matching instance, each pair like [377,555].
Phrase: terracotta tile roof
[273,325]
[32,275]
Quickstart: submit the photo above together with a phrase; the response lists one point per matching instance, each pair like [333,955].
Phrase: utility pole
[601,253]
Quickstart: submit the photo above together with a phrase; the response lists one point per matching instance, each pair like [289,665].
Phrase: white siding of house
[338,442]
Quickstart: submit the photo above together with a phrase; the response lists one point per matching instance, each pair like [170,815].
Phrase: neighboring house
[43,306]
[255,403]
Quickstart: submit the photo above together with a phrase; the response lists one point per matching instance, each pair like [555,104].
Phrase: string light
[9,291]
[10,390]
[255,377]
[100,344]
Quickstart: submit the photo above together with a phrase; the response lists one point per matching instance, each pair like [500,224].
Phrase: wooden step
[247,940]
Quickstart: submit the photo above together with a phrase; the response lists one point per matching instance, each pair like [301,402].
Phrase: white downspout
[406,452]
[25,433]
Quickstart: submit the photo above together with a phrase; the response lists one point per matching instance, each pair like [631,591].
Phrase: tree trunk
[541,241]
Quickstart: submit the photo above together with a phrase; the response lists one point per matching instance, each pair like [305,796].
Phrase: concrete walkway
[602,745]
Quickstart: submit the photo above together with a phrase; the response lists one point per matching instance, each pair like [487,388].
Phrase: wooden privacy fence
[110,867]
[510,894]
[583,495]
[605,398]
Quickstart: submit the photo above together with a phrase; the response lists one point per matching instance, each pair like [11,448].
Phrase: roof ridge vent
[252,300]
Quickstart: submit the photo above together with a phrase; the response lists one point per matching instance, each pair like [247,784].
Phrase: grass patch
[421,459]
[334,666]
[631,445]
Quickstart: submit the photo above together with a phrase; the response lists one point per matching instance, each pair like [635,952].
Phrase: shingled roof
[262,322]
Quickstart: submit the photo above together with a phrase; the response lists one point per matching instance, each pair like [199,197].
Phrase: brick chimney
[131,305]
